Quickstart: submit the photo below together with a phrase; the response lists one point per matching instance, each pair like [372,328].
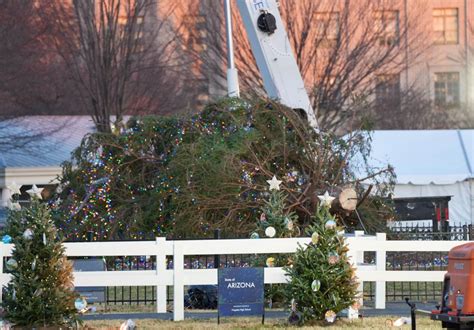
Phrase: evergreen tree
[322,281]
[275,219]
[40,292]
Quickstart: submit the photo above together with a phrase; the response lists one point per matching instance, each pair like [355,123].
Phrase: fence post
[178,281]
[161,290]
[359,259]
[381,259]
[2,249]
[217,257]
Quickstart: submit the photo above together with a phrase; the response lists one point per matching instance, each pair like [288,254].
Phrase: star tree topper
[14,189]
[35,192]
[326,200]
[274,183]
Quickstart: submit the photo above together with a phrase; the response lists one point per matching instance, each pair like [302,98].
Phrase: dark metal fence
[396,261]
[410,232]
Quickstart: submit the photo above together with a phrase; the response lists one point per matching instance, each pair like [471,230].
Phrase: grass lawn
[383,322]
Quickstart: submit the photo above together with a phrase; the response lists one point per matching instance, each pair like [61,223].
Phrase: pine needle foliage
[186,177]
[321,277]
[40,293]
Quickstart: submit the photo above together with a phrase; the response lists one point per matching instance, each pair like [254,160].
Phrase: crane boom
[275,60]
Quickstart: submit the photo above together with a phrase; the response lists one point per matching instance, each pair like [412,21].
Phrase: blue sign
[240,291]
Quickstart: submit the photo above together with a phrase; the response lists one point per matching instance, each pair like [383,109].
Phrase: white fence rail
[178,277]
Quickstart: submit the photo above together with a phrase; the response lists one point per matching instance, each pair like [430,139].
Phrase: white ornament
[270,231]
[316,285]
[274,183]
[14,206]
[330,224]
[326,200]
[28,234]
[352,313]
[44,239]
[128,325]
[35,192]
[14,189]
[401,321]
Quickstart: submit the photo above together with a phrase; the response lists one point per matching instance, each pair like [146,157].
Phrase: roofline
[29,175]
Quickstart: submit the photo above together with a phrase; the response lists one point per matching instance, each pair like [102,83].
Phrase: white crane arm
[275,60]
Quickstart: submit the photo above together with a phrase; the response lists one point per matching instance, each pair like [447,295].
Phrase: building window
[197,33]
[387,90]
[138,27]
[446,26]
[387,26]
[327,28]
[446,88]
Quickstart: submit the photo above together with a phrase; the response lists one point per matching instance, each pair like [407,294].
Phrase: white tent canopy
[430,163]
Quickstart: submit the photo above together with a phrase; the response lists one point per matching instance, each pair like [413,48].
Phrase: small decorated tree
[275,220]
[40,292]
[322,281]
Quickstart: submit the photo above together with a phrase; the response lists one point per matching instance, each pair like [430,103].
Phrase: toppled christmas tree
[322,281]
[40,292]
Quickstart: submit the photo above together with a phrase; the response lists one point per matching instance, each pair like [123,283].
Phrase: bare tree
[348,53]
[31,77]
[121,56]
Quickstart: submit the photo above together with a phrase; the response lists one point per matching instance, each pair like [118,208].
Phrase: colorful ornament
[315,238]
[12,264]
[330,224]
[333,258]
[274,183]
[326,200]
[270,262]
[263,217]
[35,192]
[291,176]
[330,316]
[316,285]
[6,239]
[254,235]
[81,305]
[270,231]
[28,234]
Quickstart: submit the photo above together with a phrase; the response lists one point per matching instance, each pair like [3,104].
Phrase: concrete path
[394,309]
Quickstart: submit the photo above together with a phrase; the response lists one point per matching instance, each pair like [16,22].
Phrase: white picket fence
[178,277]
